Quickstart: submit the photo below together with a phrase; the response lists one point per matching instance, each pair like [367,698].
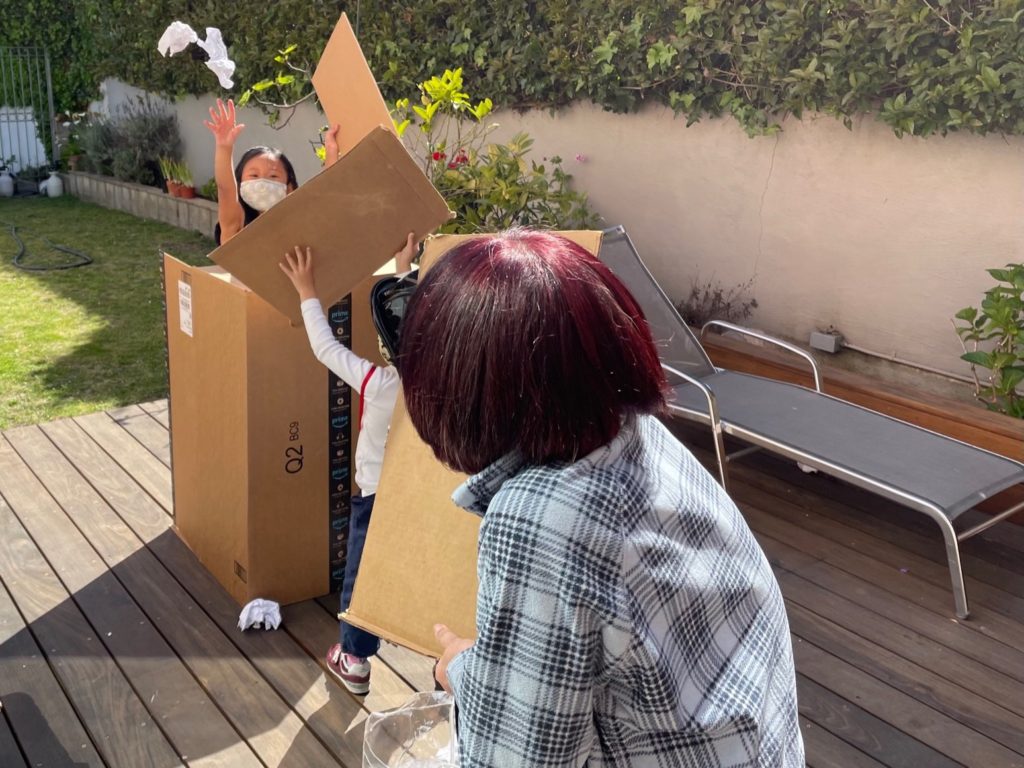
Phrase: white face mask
[262,194]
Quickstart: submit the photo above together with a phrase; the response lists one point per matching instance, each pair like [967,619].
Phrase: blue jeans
[355,641]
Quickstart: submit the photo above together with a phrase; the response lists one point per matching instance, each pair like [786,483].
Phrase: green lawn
[86,339]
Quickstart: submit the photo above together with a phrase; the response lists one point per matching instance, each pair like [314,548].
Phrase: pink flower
[581,158]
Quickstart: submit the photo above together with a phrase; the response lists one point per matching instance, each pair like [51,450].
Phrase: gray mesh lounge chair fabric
[931,473]
[955,476]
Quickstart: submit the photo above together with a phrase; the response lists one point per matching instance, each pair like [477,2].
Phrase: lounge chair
[928,472]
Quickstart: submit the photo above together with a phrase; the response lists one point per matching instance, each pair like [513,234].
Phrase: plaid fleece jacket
[626,617]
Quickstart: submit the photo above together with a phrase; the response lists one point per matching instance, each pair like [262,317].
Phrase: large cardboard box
[419,562]
[262,435]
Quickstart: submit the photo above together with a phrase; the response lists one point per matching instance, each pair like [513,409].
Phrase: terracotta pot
[74,161]
[173,188]
[187,192]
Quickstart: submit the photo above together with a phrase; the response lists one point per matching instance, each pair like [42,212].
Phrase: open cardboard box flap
[354,215]
[419,561]
[347,90]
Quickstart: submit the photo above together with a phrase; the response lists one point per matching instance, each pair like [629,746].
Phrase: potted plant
[71,149]
[184,176]
[167,170]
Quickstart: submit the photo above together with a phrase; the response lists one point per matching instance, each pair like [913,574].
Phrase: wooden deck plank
[987,563]
[147,430]
[984,598]
[783,522]
[140,627]
[924,685]
[145,469]
[852,724]
[10,755]
[158,409]
[909,644]
[905,612]
[34,703]
[336,719]
[121,727]
[941,733]
[886,676]
[417,670]
[826,750]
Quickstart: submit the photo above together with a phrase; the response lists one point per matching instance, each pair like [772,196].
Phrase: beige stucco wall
[882,238]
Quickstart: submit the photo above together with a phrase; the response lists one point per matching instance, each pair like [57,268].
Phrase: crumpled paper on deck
[260,612]
[178,36]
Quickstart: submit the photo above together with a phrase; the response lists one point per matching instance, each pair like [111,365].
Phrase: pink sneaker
[353,671]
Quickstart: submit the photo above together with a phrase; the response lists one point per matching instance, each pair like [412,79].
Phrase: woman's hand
[453,645]
[222,124]
[331,150]
[404,257]
[299,269]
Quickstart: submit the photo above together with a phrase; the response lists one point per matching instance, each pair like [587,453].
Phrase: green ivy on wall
[921,66]
[52,24]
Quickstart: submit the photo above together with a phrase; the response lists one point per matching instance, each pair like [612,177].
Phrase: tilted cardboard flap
[347,89]
[354,215]
[419,561]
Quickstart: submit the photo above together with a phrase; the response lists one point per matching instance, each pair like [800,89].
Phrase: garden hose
[80,259]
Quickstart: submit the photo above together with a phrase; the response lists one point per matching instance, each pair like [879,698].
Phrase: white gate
[28,143]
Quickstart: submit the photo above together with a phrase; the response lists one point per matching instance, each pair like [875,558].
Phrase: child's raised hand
[222,124]
[404,257]
[299,269]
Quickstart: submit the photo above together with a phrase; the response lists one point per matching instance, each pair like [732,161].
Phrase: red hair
[524,341]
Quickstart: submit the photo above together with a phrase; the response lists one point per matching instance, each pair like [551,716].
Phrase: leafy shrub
[921,67]
[130,145]
[993,341]
[490,186]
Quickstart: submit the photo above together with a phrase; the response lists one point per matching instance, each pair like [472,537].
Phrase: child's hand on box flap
[404,257]
[299,269]
[331,150]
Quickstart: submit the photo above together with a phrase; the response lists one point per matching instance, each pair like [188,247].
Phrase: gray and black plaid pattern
[626,617]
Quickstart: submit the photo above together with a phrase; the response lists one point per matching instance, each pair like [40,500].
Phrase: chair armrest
[716,422]
[771,340]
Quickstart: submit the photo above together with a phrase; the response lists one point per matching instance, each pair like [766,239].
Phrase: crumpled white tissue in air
[178,36]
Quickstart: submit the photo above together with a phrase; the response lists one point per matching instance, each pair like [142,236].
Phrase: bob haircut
[524,341]
[274,154]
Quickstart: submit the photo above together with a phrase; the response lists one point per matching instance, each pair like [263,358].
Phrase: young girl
[378,388]
[260,180]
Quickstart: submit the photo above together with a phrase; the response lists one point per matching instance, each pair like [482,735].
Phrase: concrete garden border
[145,202]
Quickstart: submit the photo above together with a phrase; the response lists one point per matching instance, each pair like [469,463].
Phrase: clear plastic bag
[418,734]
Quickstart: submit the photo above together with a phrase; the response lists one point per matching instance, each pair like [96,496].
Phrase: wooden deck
[117,648]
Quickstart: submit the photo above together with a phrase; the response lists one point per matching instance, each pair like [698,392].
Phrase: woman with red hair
[625,615]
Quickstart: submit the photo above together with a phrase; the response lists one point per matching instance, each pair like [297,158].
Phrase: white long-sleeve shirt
[379,387]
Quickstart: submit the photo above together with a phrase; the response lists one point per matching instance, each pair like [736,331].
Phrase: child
[378,389]
[261,179]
